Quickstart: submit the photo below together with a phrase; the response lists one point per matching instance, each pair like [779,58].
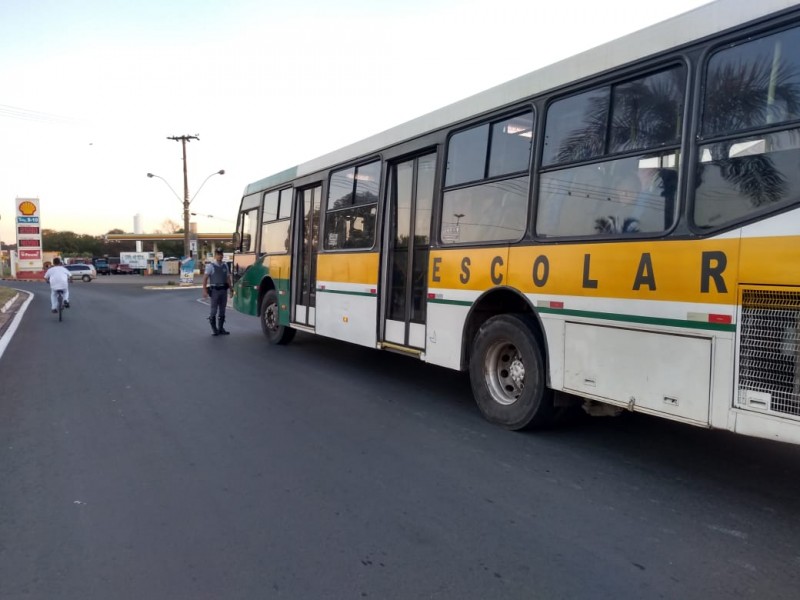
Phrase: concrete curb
[8,333]
[8,304]
[21,280]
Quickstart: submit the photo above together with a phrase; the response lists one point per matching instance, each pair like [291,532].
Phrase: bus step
[400,349]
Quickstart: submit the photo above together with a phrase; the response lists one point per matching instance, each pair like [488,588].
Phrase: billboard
[29,234]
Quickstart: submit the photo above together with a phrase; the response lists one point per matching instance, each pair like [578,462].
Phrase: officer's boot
[220,324]
[213,326]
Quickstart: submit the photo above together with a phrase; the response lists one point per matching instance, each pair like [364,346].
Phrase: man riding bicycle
[58,276]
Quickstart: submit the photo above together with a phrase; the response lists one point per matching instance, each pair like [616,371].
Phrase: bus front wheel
[507,374]
[276,334]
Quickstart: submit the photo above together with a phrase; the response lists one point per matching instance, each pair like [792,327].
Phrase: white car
[84,272]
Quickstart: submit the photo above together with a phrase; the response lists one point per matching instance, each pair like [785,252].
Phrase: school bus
[620,229]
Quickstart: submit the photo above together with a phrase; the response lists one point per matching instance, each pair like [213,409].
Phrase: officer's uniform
[218,293]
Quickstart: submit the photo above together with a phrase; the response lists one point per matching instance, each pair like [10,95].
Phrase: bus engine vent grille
[769,354]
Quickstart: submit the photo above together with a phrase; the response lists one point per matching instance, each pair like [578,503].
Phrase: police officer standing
[216,282]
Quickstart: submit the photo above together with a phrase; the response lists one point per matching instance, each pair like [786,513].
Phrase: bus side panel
[280,270]
[445,329]
[457,277]
[241,262]
[245,299]
[668,375]
[347,297]
[554,334]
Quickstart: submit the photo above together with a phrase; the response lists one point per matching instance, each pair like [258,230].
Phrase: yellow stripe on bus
[279,266]
[705,271]
[773,261]
[349,267]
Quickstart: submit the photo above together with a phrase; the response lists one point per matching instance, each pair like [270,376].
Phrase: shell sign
[29,237]
[27,208]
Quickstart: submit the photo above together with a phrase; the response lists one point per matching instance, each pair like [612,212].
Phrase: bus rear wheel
[276,334]
[507,374]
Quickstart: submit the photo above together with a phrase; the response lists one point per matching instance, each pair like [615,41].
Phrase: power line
[15,112]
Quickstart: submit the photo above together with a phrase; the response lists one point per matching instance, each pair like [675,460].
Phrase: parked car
[84,272]
[123,269]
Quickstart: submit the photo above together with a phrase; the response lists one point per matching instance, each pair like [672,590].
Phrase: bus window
[648,112]
[352,207]
[487,211]
[275,226]
[285,209]
[634,115]
[620,196]
[466,155]
[576,127]
[752,85]
[271,206]
[511,145]
[736,179]
[625,196]
[248,229]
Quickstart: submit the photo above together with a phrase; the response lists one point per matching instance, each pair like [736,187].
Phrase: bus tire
[507,374]
[276,334]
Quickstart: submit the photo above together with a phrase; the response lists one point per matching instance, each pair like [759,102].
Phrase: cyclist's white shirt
[58,278]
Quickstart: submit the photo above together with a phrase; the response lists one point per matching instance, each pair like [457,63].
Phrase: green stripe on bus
[638,319]
[347,293]
[451,302]
[617,317]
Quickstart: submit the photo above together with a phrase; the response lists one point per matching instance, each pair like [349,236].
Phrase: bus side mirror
[235,240]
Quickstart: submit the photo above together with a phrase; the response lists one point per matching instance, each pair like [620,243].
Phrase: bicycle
[60,301]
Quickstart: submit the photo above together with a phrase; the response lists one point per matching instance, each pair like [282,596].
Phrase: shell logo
[27,208]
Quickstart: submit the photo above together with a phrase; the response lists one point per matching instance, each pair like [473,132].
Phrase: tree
[170,226]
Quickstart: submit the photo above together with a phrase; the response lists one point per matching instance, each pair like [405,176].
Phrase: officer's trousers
[219,301]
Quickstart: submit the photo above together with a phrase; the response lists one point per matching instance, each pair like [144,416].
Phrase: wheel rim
[505,372]
[271,317]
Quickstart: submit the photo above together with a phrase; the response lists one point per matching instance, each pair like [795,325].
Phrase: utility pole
[183,139]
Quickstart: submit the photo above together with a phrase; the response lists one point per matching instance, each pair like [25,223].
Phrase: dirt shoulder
[10,302]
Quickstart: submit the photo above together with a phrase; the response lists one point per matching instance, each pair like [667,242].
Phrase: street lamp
[186,202]
[167,182]
[220,172]
[194,214]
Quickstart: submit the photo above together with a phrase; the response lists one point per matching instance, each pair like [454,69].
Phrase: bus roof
[695,24]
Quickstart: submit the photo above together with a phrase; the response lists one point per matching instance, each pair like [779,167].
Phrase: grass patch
[6,294]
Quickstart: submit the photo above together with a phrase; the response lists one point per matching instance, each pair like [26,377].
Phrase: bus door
[304,263]
[406,248]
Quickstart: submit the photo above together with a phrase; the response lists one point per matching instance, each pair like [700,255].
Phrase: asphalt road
[140,457]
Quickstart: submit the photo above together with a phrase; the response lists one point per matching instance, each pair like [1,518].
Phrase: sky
[90,90]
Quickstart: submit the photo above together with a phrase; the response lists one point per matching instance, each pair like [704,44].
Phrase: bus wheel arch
[508,375]
[496,302]
[268,310]
[505,351]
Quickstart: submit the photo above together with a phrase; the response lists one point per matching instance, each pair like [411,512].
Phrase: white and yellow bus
[622,228]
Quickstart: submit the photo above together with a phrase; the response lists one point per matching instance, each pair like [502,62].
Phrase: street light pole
[186,200]
[183,139]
